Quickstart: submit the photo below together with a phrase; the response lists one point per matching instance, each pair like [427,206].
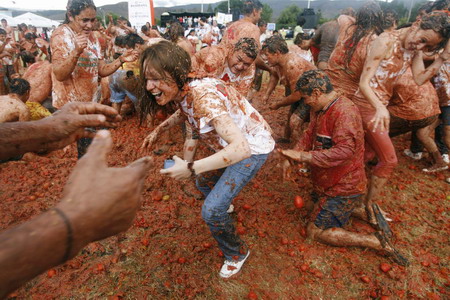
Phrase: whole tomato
[298,201]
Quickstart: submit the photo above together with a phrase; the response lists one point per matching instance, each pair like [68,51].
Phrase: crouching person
[333,146]
[225,121]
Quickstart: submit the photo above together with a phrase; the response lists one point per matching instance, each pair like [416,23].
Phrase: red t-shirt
[335,138]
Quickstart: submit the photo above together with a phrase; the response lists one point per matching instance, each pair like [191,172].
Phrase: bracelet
[190,166]
[69,234]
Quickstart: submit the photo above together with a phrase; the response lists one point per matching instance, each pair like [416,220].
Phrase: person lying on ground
[226,123]
[55,236]
[333,146]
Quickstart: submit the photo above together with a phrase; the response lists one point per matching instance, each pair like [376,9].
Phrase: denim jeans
[218,199]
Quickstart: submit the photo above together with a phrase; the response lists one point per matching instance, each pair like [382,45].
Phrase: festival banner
[140,12]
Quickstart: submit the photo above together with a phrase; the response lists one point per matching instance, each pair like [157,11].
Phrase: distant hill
[329,9]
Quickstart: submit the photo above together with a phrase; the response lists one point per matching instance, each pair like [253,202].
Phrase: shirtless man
[289,67]
[12,106]
[245,27]
[234,66]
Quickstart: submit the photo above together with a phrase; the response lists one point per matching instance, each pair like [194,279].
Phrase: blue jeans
[219,195]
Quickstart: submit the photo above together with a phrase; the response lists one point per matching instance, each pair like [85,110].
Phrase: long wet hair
[75,7]
[167,59]
[439,22]
[369,19]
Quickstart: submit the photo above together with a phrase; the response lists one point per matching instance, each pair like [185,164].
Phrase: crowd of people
[351,87]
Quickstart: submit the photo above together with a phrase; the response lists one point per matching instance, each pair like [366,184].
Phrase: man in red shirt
[333,145]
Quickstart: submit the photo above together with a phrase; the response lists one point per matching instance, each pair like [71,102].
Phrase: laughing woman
[226,122]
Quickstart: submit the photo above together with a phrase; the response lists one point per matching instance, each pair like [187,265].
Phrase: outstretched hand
[101,201]
[68,124]
[179,170]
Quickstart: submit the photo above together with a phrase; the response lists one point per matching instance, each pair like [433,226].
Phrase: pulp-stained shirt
[209,98]
[83,83]
[335,139]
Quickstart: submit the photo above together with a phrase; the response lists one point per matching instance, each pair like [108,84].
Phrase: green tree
[266,14]
[223,6]
[114,16]
[288,17]
[398,7]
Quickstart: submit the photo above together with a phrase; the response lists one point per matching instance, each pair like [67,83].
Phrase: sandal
[390,250]
[381,221]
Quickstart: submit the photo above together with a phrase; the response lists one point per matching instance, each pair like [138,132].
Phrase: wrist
[190,166]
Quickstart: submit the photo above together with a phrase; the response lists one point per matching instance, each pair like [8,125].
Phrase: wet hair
[439,22]
[176,31]
[275,44]
[27,57]
[144,28]
[262,23]
[312,80]
[369,19]
[440,5]
[300,37]
[30,36]
[203,19]
[75,7]
[22,27]
[2,31]
[132,39]
[390,18]
[120,41]
[301,21]
[165,58]
[19,86]
[250,5]
[349,11]
[248,46]
[121,18]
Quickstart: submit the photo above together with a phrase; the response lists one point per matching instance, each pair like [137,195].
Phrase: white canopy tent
[10,20]
[35,20]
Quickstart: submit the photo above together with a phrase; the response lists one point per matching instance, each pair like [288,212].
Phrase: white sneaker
[231,268]
[415,156]
[445,158]
[230,209]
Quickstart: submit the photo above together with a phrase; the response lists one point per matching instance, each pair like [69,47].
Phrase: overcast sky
[61,4]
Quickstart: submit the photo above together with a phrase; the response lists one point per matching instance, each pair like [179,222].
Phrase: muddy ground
[169,253]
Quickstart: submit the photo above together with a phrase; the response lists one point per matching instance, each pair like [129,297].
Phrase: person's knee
[212,215]
[385,167]
[312,231]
